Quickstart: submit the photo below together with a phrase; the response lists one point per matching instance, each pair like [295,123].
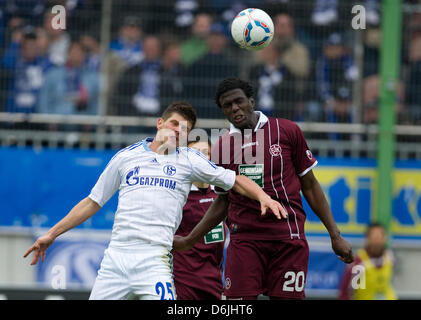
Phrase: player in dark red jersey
[198,271]
[265,255]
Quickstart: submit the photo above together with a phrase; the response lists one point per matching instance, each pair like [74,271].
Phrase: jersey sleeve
[204,170]
[303,158]
[217,157]
[107,184]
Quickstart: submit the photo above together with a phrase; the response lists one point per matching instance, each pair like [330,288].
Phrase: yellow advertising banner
[351,192]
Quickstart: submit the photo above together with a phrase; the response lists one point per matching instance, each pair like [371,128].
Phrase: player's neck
[201,185]
[160,148]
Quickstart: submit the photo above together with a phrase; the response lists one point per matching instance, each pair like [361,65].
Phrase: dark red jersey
[201,266]
[275,155]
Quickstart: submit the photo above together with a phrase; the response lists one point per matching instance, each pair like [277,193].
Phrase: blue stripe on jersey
[213,165]
[134,146]
[128,148]
[131,147]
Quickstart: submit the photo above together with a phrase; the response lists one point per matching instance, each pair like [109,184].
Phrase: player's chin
[239,122]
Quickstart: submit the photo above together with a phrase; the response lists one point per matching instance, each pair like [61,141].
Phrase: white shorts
[143,273]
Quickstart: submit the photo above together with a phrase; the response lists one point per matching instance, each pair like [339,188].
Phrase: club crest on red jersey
[309,154]
[227,283]
[275,150]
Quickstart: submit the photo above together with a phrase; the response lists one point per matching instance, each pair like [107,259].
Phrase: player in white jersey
[153,178]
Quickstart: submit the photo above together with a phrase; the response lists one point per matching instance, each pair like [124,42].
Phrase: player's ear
[252,102]
[159,123]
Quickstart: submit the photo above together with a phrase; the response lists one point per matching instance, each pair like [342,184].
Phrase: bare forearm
[249,188]
[252,190]
[316,199]
[318,203]
[85,209]
[215,214]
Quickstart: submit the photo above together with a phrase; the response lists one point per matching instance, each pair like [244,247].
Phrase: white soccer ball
[252,29]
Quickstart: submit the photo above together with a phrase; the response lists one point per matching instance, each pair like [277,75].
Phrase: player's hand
[39,248]
[342,248]
[181,243]
[276,208]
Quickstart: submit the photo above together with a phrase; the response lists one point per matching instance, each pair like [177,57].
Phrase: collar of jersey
[260,123]
[146,147]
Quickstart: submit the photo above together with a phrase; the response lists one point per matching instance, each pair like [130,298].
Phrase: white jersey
[153,190]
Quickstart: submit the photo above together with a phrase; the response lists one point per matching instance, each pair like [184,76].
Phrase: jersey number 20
[294,282]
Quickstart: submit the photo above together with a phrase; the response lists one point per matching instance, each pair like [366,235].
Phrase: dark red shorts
[185,292]
[274,268]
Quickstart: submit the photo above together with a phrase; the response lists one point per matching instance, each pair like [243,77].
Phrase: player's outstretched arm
[315,197]
[252,190]
[215,214]
[80,213]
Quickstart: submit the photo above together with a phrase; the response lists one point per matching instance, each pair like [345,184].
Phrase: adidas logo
[154,161]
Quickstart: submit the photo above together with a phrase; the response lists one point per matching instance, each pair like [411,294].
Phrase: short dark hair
[29,33]
[231,84]
[184,109]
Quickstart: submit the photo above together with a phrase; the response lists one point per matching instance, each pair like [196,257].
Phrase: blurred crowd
[160,51]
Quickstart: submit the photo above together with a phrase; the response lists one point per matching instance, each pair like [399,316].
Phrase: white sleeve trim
[94,199]
[308,169]
[233,178]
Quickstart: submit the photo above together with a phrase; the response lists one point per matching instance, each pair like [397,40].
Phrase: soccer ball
[252,29]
